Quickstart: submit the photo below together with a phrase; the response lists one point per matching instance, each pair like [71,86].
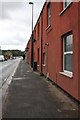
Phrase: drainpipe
[47,44]
[41,31]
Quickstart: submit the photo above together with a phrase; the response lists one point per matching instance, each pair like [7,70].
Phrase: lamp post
[32,41]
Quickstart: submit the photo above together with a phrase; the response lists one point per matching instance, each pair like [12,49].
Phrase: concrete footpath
[33,96]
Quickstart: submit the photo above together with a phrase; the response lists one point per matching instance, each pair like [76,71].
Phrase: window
[49,14]
[66,3]
[44,58]
[38,30]
[68,53]
[38,56]
[34,35]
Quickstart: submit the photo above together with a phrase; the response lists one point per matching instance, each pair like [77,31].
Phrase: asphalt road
[6,68]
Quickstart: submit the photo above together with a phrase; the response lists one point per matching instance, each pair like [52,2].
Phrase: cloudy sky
[15,22]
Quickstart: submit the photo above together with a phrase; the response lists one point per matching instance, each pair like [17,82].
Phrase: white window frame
[66,1]
[65,53]
[38,57]
[44,59]
[49,14]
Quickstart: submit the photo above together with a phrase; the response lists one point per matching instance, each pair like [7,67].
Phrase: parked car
[1,58]
[14,58]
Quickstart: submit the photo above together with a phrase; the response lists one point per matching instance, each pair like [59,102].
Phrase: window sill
[65,9]
[70,75]
[43,65]
[48,27]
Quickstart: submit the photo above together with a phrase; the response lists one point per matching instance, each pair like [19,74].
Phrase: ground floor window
[44,58]
[38,56]
[68,53]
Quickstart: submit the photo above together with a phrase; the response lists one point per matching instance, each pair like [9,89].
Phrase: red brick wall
[79,51]
[60,24]
[68,23]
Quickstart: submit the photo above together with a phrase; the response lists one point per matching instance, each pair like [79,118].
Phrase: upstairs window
[38,30]
[66,3]
[34,35]
[49,14]
[68,53]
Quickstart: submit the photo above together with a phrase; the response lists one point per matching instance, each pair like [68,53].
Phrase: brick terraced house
[57,45]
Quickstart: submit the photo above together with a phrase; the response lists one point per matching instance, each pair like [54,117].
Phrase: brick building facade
[56,45]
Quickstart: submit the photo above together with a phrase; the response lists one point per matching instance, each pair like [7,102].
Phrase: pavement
[32,96]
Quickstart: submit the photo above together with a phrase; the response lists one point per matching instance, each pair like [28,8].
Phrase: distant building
[57,45]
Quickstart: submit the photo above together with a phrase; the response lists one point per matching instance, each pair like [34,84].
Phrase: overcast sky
[15,22]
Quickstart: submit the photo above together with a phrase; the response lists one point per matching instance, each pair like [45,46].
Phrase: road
[6,69]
